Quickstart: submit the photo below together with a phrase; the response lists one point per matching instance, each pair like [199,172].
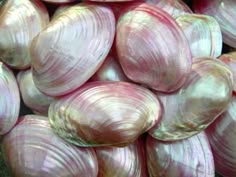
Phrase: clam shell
[105,113]
[230,60]
[191,157]
[9,99]
[129,161]
[110,71]
[222,135]
[146,54]
[172,7]
[203,33]
[20,22]
[198,103]
[72,47]
[32,149]
[32,97]
[224,12]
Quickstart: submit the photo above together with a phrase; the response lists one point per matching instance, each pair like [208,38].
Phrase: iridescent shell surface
[198,103]
[146,54]
[32,149]
[32,97]
[72,47]
[9,99]
[222,135]
[105,113]
[191,157]
[224,12]
[20,22]
[129,161]
[203,33]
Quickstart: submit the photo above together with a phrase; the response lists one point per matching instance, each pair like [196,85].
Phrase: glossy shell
[105,113]
[32,149]
[198,103]
[72,47]
[129,161]
[20,22]
[146,54]
[9,99]
[191,157]
[222,135]
[224,12]
[32,97]
[203,33]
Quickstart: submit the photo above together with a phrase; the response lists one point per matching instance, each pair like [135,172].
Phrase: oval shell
[146,55]
[222,135]
[105,113]
[198,103]
[72,47]
[191,157]
[20,22]
[9,99]
[32,149]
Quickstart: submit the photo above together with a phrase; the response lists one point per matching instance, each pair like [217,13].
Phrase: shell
[224,12]
[110,71]
[203,33]
[105,113]
[9,100]
[32,149]
[20,22]
[73,46]
[172,7]
[191,157]
[230,60]
[198,103]
[32,97]
[129,161]
[144,52]
[222,134]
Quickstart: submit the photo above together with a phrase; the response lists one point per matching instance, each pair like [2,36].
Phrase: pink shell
[32,149]
[224,12]
[198,103]
[9,99]
[222,135]
[105,113]
[72,47]
[191,157]
[129,161]
[146,55]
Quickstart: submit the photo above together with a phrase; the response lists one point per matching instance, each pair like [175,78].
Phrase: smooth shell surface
[230,60]
[172,7]
[198,103]
[222,135]
[152,48]
[110,71]
[20,22]
[32,97]
[129,161]
[191,157]
[105,113]
[9,99]
[32,149]
[224,12]
[72,47]
[203,33]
